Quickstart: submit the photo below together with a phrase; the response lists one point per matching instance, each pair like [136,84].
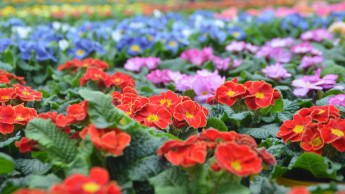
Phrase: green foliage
[216,124]
[262,132]
[7,163]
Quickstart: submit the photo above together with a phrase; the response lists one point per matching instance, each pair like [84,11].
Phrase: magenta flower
[317,35]
[280,55]
[152,62]
[338,100]
[276,71]
[185,83]
[221,64]
[305,48]
[308,61]
[197,57]
[264,51]
[236,46]
[159,76]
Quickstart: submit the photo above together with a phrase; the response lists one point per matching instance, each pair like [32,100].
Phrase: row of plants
[173,103]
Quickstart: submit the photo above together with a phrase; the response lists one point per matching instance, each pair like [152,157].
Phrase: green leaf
[231,115]
[171,181]
[101,110]
[9,140]
[216,124]
[278,171]
[43,181]
[246,64]
[262,132]
[174,64]
[232,187]
[61,149]
[332,69]
[139,161]
[6,67]
[277,107]
[7,163]
[318,165]
[81,163]
[29,166]
[189,93]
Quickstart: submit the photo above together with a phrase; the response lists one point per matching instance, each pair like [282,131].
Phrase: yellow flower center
[236,165]
[188,115]
[320,112]
[230,93]
[80,52]
[337,132]
[172,43]
[259,95]
[151,38]
[236,34]
[91,187]
[26,93]
[316,142]
[117,80]
[98,75]
[5,97]
[135,48]
[19,117]
[152,118]
[166,101]
[204,93]
[298,129]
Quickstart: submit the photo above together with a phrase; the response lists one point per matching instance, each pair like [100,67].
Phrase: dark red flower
[25,145]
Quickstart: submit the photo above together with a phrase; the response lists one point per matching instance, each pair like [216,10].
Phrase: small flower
[192,113]
[259,94]
[77,112]
[197,57]
[154,116]
[276,71]
[25,145]
[229,92]
[236,46]
[334,132]
[159,76]
[26,93]
[95,74]
[338,100]
[312,140]
[292,130]
[120,79]
[317,35]
[308,61]
[23,115]
[6,94]
[7,117]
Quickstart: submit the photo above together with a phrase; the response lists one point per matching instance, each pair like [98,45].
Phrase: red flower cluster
[19,92]
[256,94]
[97,182]
[315,127]
[75,64]
[5,78]
[110,140]
[103,79]
[233,152]
[10,115]
[160,111]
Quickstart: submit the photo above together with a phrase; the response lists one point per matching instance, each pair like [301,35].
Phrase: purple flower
[338,100]
[280,55]
[277,72]
[280,42]
[159,76]
[236,46]
[308,61]
[303,87]
[316,35]
[221,64]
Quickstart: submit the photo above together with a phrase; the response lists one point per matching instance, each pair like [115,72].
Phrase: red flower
[5,77]
[132,104]
[60,120]
[299,190]
[26,94]
[186,154]
[120,79]
[23,115]
[111,140]
[6,94]
[192,113]
[229,92]
[167,99]
[89,62]
[25,145]
[30,191]
[95,74]
[127,92]
[77,112]
[237,159]
[154,116]
[96,182]
[334,132]
[321,114]
[292,130]
[259,94]
[312,140]
[7,117]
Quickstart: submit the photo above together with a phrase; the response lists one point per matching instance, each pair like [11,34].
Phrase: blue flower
[237,33]
[13,22]
[46,35]
[4,43]
[83,47]
[42,53]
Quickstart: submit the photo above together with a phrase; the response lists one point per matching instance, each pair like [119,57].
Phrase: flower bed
[186,103]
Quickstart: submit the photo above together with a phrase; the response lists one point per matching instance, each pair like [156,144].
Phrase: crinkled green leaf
[262,132]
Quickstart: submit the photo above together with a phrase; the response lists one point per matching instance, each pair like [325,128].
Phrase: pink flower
[205,86]
[308,61]
[159,76]
[317,35]
[185,83]
[237,62]
[264,51]
[305,48]
[276,72]
[134,64]
[236,46]
[280,42]
[221,64]
[251,48]
[303,87]
[152,62]
[197,57]
[338,100]
[280,55]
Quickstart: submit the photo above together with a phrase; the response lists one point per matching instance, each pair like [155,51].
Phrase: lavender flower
[308,61]
[276,71]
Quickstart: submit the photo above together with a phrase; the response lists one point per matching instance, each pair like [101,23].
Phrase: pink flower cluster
[280,42]
[276,71]
[204,83]
[277,53]
[305,48]
[338,100]
[306,83]
[308,61]
[239,46]
[135,64]
[317,35]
